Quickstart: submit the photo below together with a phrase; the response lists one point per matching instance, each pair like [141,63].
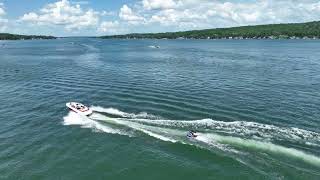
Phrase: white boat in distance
[79,108]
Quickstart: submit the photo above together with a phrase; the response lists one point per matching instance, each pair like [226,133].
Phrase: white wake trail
[265,146]
[241,128]
[151,131]
[117,112]
[85,122]
[175,131]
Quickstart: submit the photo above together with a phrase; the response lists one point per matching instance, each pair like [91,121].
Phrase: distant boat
[79,108]
[157,47]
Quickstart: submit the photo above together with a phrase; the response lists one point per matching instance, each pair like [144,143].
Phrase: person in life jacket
[191,134]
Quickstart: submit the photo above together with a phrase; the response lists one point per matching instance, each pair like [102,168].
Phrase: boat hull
[84,112]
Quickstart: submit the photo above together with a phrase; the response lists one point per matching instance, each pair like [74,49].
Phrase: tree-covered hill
[7,36]
[270,31]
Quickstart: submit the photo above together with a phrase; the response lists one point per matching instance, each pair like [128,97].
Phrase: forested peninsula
[7,36]
[308,30]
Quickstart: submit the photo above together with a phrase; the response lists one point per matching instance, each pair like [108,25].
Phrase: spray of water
[230,137]
[75,119]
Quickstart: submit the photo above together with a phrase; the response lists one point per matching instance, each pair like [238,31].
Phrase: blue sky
[106,17]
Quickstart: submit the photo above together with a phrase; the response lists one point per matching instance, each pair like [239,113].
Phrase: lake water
[255,104]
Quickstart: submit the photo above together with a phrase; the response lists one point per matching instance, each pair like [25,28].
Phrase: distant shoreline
[231,38]
[8,36]
[305,31]
[308,30]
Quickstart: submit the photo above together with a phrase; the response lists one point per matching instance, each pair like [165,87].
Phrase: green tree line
[7,36]
[272,31]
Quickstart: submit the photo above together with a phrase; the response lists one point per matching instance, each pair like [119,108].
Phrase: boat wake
[231,138]
[75,119]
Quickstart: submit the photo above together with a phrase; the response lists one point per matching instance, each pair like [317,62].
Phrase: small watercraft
[157,47]
[79,108]
[192,134]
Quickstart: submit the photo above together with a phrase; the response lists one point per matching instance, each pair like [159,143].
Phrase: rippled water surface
[254,103]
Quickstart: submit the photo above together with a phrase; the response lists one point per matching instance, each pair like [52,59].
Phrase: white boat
[79,108]
[157,47]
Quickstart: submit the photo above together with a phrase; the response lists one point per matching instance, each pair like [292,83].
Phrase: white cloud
[128,15]
[199,14]
[160,15]
[173,16]
[107,13]
[80,2]
[2,11]
[30,17]
[110,27]
[3,20]
[63,13]
[158,4]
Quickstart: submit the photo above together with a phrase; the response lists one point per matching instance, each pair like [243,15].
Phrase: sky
[110,17]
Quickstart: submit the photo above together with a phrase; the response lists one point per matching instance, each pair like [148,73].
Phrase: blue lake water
[255,104]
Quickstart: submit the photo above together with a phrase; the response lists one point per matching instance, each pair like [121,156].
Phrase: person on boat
[191,134]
